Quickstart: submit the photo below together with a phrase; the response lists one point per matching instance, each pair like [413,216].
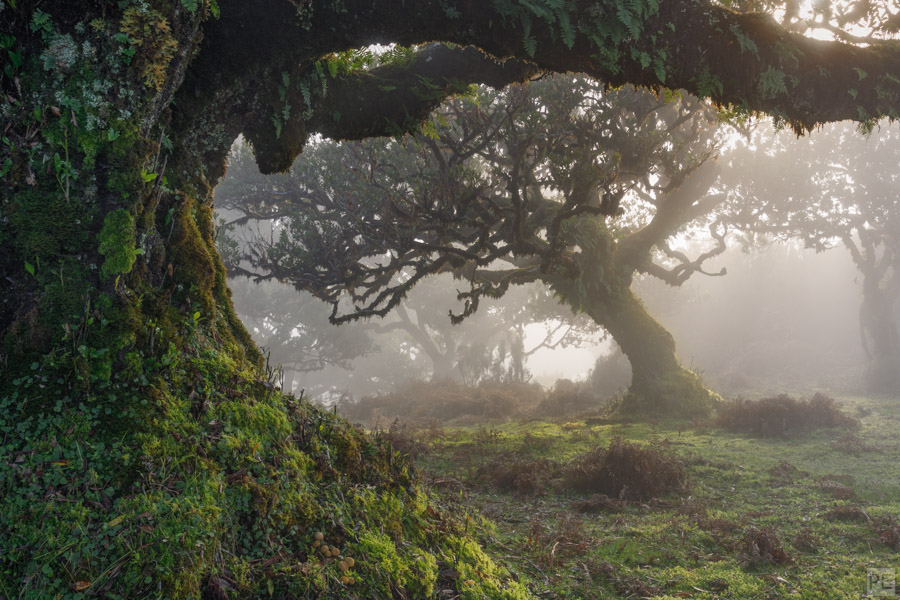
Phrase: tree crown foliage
[499,188]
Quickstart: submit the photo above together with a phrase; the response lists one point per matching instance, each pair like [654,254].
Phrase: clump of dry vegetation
[784,473]
[782,416]
[807,541]
[567,397]
[762,546]
[848,512]
[402,438]
[623,471]
[446,401]
[512,473]
[890,535]
[555,544]
[851,444]
[838,489]
[627,471]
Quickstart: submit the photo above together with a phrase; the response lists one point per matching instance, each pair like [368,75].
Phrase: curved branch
[686,267]
[385,101]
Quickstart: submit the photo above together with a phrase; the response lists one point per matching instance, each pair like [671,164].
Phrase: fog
[785,318]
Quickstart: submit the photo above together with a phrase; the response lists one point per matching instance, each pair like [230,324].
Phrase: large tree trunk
[444,368]
[660,385]
[144,450]
[880,339]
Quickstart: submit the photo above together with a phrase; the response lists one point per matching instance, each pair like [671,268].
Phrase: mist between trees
[674,197]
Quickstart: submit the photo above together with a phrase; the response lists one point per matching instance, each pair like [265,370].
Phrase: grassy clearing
[771,517]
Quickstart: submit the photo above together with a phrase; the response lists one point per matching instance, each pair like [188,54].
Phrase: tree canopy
[261,211]
[501,189]
[742,59]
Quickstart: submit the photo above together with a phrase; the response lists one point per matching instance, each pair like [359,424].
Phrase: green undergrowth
[799,517]
[217,483]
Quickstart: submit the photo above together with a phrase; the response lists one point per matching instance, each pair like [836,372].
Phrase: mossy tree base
[677,395]
[661,387]
[144,452]
[219,484]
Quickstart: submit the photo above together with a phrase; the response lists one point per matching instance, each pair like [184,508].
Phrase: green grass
[688,545]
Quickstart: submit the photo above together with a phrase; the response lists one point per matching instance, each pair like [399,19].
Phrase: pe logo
[881,583]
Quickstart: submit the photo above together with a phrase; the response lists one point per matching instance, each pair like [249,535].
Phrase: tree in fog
[253,209]
[509,188]
[837,188]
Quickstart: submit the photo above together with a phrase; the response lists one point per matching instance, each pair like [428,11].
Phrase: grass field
[803,516]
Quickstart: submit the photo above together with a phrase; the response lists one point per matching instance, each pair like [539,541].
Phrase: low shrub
[568,397]
[512,473]
[626,471]
[445,401]
[890,534]
[851,444]
[762,546]
[623,471]
[782,416]
[848,513]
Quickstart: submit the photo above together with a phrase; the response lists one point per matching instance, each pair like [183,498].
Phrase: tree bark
[660,385]
[880,339]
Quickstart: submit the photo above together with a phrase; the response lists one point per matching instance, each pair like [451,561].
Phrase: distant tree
[847,195]
[508,188]
[296,331]
[293,330]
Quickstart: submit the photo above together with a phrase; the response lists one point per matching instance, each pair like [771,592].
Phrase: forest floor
[805,516]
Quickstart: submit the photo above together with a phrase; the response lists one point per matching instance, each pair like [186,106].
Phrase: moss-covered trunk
[660,386]
[144,451]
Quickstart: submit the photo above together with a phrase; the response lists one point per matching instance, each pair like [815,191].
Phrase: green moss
[193,252]
[479,576]
[384,566]
[117,243]
[144,451]
[679,394]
